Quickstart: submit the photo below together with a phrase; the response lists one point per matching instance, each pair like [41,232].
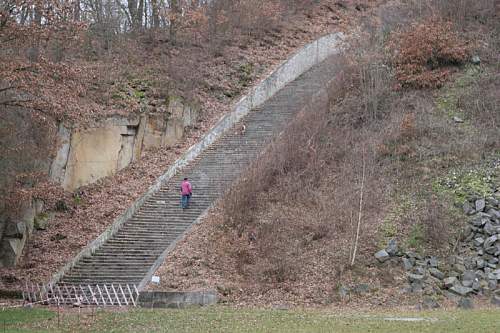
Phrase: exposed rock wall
[84,155]
[88,154]
[98,152]
[25,144]
[15,231]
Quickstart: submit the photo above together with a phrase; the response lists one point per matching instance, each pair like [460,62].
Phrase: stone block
[461,290]
[176,299]
[382,256]
[465,303]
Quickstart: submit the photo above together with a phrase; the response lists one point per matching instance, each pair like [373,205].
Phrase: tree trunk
[174,12]
[38,15]
[155,18]
[140,13]
[132,9]
[146,17]
[33,51]
[77,11]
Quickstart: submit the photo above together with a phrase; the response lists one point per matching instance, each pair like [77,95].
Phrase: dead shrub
[437,225]
[289,156]
[423,56]
[466,10]
[279,269]
[481,103]
[292,181]
[407,128]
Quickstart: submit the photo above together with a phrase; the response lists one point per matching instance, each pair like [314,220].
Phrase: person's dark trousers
[185,201]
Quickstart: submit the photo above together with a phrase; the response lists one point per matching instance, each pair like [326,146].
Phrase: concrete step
[105,275]
[131,246]
[122,266]
[113,261]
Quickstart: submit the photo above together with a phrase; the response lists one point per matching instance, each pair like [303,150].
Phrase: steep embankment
[221,79]
[404,140]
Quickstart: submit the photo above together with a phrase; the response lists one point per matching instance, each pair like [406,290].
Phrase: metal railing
[82,295]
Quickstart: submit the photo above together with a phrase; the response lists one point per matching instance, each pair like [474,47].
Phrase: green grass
[448,100]
[19,320]
[463,183]
[416,237]
[225,319]
[403,208]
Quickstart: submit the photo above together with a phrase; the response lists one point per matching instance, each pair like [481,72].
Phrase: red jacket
[186,188]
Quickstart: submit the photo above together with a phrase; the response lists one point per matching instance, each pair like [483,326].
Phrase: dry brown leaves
[100,203]
[424,55]
[206,259]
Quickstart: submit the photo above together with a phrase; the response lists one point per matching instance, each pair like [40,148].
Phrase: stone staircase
[128,256]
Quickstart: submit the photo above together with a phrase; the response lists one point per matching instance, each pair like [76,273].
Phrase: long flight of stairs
[129,254]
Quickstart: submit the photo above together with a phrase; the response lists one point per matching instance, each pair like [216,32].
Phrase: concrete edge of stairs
[304,59]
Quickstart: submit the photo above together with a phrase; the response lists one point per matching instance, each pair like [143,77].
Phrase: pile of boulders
[425,274]
[475,267]
[481,246]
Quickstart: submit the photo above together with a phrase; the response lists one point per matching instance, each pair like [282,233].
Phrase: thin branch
[7,88]
[352,233]
[13,102]
[24,68]
[360,211]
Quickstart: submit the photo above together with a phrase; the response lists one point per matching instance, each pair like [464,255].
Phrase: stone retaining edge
[176,299]
[310,55]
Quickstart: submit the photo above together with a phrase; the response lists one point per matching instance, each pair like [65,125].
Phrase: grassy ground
[224,319]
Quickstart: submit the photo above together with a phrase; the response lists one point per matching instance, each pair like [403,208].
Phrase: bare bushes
[304,192]
[481,104]
[288,172]
[438,225]
[424,54]
[319,195]
[461,11]
[434,36]
[226,19]
[338,165]
[292,154]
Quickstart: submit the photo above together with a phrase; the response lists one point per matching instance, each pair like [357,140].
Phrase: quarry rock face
[87,154]
[15,229]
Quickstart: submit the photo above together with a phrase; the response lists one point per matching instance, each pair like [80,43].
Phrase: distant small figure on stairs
[241,130]
[186,192]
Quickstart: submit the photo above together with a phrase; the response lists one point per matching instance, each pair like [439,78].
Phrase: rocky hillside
[472,267]
[409,137]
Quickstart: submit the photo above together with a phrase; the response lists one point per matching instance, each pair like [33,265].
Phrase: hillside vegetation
[416,104]
[58,66]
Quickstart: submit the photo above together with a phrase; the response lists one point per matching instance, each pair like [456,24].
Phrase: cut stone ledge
[177,299]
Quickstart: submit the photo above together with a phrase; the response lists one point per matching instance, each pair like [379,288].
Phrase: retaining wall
[176,299]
